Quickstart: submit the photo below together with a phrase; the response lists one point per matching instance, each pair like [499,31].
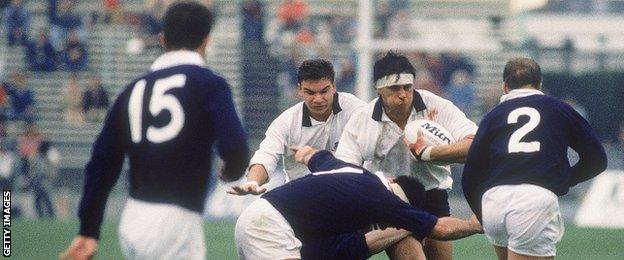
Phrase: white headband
[395,79]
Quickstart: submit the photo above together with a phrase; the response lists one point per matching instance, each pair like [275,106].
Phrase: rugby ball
[434,133]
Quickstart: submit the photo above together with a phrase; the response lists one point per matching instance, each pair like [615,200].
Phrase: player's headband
[395,79]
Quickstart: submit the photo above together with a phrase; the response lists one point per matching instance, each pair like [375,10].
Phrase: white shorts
[263,233]
[160,231]
[524,218]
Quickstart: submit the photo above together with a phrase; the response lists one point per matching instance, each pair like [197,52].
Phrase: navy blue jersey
[335,200]
[525,141]
[166,122]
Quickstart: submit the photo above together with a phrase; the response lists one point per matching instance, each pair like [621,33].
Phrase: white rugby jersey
[295,127]
[372,140]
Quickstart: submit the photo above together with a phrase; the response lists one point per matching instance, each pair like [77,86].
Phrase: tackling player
[166,122]
[317,216]
[317,121]
[518,165]
[374,138]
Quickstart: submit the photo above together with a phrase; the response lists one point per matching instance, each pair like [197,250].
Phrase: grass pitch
[44,239]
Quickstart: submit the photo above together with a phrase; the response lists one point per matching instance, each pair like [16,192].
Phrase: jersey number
[515,146]
[158,102]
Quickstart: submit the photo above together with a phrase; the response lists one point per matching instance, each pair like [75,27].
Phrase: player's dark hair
[413,189]
[392,63]
[314,70]
[520,72]
[186,24]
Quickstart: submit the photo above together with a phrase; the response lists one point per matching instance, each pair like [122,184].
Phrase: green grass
[45,239]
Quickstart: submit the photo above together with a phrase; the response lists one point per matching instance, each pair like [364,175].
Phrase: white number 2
[158,102]
[515,146]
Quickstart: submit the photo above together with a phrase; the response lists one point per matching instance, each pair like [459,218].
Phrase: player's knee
[442,231]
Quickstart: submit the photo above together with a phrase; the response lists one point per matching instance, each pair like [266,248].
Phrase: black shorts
[436,203]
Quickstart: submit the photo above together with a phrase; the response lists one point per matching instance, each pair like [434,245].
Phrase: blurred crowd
[295,34]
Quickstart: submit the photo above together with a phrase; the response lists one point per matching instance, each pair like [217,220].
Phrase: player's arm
[231,137]
[451,153]
[348,148]
[397,213]
[462,129]
[265,159]
[101,173]
[592,156]
[450,228]
[319,160]
[476,168]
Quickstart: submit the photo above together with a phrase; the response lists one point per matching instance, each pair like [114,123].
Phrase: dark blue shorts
[436,203]
[344,246]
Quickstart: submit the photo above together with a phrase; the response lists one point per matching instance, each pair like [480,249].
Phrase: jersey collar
[518,93]
[307,120]
[175,58]
[417,103]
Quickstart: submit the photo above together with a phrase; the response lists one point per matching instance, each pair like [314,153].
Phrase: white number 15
[158,102]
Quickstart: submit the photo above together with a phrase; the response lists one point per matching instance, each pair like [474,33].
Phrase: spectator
[75,55]
[343,28]
[36,169]
[41,55]
[400,26]
[382,19]
[95,100]
[452,62]
[4,104]
[292,13]
[112,11]
[151,27]
[2,69]
[253,20]
[424,80]
[22,99]
[18,23]
[72,101]
[461,92]
[7,166]
[346,80]
[3,5]
[63,21]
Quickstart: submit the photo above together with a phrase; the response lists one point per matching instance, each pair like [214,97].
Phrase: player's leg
[407,248]
[436,203]
[515,256]
[436,249]
[261,232]
[378,240]
[501,252]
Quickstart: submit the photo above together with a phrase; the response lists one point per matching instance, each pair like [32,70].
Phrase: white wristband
[426,154]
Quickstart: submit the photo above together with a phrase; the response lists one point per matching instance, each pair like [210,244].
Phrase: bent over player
[518,165]
[318,216]
[166,122]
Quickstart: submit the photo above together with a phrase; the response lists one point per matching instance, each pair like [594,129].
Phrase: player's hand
[303,154]
[417,148]
[81,248]
[250,187]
